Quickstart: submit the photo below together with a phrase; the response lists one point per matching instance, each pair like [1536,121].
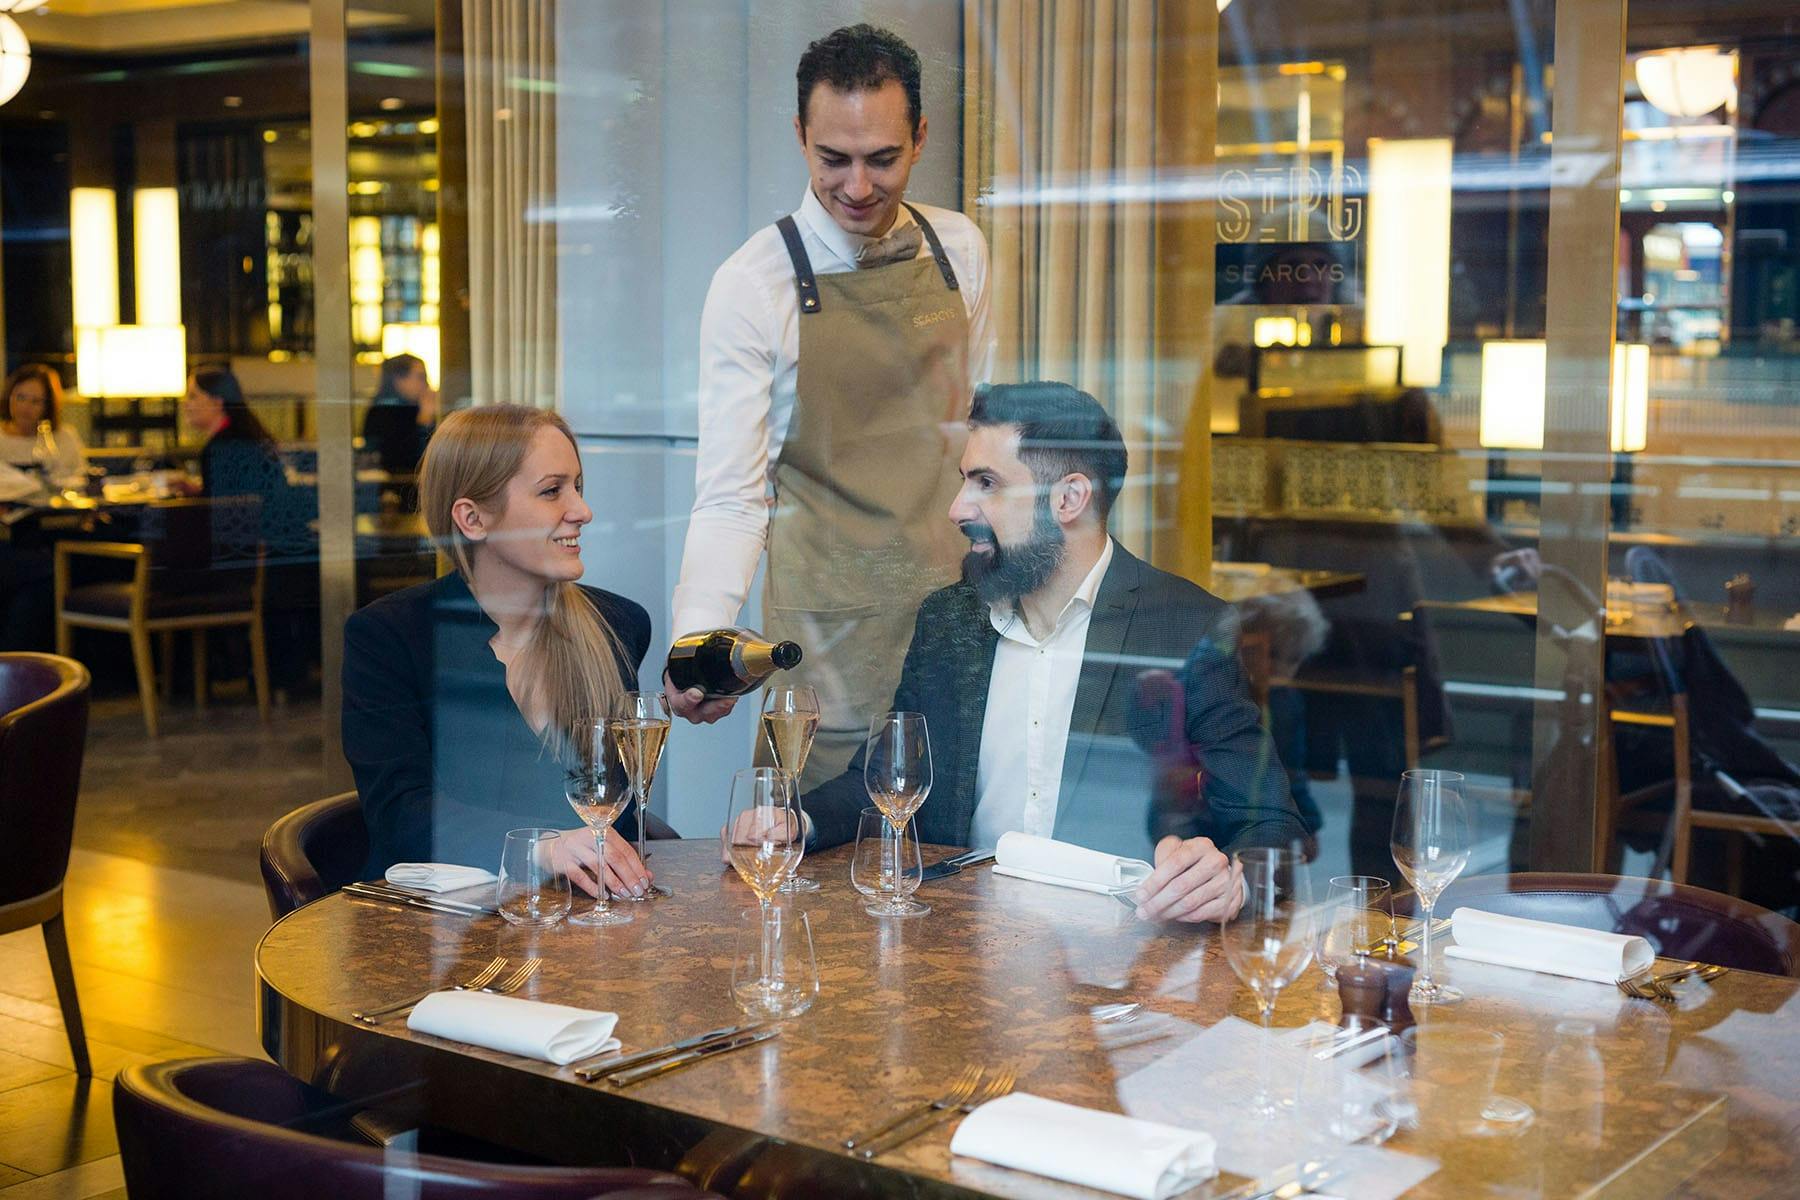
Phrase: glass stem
[890,860]
[1263,1100]
[603,901]
[643,822]
[1425,983]
[772,946]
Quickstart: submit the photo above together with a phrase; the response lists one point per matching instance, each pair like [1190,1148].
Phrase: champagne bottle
[727,662]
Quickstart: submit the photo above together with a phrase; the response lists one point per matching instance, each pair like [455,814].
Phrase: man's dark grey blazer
[1128,771]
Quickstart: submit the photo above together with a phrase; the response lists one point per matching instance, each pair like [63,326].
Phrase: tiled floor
[162,950]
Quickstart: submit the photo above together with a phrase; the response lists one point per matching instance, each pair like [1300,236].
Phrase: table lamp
[420,341]
[130,362]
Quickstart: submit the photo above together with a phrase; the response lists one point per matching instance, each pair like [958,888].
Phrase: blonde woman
[458,694]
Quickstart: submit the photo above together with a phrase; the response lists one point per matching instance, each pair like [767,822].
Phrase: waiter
[839,349]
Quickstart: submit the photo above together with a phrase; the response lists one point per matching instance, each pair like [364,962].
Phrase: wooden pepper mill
[1362,990]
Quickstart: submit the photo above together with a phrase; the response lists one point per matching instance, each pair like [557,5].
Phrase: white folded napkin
[1548,947]
[1045,860]
[552,1033]
[437,877]
[1083,1145]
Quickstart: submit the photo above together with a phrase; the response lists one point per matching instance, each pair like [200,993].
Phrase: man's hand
[1193,881]
[692,705]
[573,855]
[752,826]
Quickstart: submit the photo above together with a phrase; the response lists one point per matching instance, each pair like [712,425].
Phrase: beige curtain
[1077,113]
[509,76]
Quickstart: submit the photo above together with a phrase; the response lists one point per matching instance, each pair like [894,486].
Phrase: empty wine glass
[897,773]
[531,891]
[875,872]
[1358,915]
[1431,843]
[780,949]
[1269,941]
[598,790]
[642,730]
[764,839]
[790,718]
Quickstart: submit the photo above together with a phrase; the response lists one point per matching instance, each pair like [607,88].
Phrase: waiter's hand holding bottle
[707,671]
[693,705]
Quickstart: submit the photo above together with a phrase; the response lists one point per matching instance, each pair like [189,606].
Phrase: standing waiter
[839,349]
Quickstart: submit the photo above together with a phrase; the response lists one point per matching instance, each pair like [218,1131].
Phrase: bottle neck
[758,658]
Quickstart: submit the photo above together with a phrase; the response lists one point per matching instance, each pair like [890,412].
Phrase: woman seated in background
[399,422]
[239,458]
[460,694]
[33,393]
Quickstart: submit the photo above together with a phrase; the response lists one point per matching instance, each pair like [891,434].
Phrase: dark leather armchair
[1677,920]
[43,733]
[313,851]
[227,1128]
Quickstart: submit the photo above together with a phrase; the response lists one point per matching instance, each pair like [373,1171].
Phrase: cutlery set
[482,981]
[966,1094]
[621,1071]
[387,893]
[1653,985]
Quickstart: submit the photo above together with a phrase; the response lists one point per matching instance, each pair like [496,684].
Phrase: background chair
[227,1128]
[197,566]
[43,732]
[1677,920]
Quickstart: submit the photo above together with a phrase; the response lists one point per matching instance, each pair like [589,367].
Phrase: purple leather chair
[1677,920]
[229,1128]
[43,734]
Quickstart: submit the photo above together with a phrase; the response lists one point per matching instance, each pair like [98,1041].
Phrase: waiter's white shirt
[1025,731]
[749,359]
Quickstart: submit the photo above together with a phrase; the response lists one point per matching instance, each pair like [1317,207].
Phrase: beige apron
[861,530]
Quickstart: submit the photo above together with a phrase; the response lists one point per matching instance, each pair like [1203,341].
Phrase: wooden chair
[197,566]
[43,734]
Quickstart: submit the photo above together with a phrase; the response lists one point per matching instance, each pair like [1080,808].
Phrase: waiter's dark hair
[859,58]
[1062,431]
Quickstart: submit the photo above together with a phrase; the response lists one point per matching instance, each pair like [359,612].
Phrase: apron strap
[937,248]
[804,282]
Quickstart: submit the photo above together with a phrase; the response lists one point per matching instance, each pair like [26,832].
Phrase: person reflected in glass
[402,416]
[1025,672]
[460,695]
[32,395]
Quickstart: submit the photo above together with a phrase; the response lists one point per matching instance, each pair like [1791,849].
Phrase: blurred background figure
[400,421]
[33,395]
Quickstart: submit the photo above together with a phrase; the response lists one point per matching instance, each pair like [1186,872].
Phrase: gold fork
[505,987]
[1000,1085]
[961,1090]
[479,980]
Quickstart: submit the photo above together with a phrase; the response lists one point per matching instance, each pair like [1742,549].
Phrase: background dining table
[1696,1098]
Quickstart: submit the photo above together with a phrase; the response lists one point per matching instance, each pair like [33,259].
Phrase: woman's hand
[573,855]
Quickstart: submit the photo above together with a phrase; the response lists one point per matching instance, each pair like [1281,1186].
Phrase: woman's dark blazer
[444,761]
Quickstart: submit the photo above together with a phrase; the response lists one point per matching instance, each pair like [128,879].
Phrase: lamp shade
[15,58]
[420,341]
[137,361]
[1689,82]
[1512,396]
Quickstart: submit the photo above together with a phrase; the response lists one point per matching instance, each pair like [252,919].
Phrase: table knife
[611,1063]
[407,902]
[386,890]
[955,863]
[624,1079]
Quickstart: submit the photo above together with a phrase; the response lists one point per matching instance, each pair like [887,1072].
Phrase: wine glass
[1431,844]
[1269,941]
[642,730]
[530,891]
[598,791]
[1359,914]
[873,869]
[788,957]
[764,839]
[897,773]
[790,718]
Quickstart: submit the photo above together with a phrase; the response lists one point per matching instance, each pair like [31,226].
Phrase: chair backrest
[313,851]
[43,734]
[1677,920]
[223,1129]
[200,535]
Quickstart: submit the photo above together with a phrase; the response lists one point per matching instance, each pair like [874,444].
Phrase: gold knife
[611,1065]
[625,1079]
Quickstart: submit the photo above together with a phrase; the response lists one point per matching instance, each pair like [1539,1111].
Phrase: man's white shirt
[1025,730]
[749,358]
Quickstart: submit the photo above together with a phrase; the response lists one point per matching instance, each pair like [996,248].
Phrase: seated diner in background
[33,394]
[401,417]
[461,695]
[1040,681]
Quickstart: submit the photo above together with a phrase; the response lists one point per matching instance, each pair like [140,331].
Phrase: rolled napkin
[1045,860]
[552,1033]
[1082,1145]
[437,877]
[1548,947]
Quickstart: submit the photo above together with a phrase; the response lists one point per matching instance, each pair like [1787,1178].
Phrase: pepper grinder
[1396,1011]
[1362,990]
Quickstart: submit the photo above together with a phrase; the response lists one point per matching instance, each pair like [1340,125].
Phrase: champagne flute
[642,730]
[1431,843]
[1269,940]
[897,774]
[598,791]
[790,718]
[764,839]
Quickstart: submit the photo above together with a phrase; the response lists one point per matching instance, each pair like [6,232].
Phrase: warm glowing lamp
[1689,82]
[94,256]
[420,341]
[1275,331]
[15,58]
[131,361]
[1409,252]
[1512,396]
[156,223]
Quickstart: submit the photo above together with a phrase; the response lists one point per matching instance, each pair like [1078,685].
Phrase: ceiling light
[15,58]
[1689,82]
[391,103]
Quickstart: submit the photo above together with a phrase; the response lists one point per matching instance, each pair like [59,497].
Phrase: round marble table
[1702,1100]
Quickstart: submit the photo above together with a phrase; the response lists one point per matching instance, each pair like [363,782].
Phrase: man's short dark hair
[860,58]
[1062,431]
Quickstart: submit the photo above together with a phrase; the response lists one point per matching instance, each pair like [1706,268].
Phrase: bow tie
[900,245]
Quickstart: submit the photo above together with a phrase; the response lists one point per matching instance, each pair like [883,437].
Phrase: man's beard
[1009,572]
